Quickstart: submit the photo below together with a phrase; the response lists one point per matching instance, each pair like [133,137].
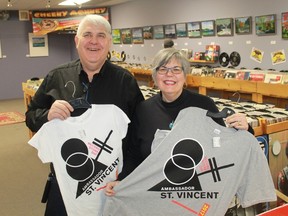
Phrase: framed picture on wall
[23,15]
[158,32]
[224,27]
[243,25]
[116,36]
[181,30]
[148,32]
[38,45]
[137,36]
[194,29]
[126,36]
[265,25]
[208,28]
[170,31]
[284,25]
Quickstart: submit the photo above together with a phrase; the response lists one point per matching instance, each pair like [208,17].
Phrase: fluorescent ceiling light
[73,2]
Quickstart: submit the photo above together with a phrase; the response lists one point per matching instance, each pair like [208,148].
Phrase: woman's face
[170,84]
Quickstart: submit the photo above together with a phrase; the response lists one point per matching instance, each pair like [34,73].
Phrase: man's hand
[60,109]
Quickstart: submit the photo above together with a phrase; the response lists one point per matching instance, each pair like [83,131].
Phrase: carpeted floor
[11,117]
[23,176]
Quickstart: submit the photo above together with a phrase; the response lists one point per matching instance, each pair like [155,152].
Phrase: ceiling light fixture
[48,5]
[9,4]
[73,3]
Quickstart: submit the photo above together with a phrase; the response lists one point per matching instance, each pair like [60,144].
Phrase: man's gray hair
[95,20]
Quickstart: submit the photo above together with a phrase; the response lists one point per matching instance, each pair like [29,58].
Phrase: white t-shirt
[86,152]
[195,169]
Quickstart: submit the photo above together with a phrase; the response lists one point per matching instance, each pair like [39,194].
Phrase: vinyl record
[235,59]
[123,56]
[109,56]
[224,59]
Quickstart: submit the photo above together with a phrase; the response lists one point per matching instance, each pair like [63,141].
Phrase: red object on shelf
[278,211]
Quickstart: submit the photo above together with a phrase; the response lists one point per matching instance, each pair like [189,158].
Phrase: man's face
[93,45]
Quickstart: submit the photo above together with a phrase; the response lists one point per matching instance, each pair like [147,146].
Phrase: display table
[29,91]
[142,75]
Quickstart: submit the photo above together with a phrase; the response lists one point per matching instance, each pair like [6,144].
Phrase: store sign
[62,21]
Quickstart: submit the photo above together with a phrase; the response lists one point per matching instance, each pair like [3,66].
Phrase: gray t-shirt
[195,169]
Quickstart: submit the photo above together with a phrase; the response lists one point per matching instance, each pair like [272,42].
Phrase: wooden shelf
[257,89]
[273,90]
[142,75]
[276,127]
[258,131]
[202,61]
[138,71]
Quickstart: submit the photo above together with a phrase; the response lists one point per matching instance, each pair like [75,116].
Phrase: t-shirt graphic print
[86,152]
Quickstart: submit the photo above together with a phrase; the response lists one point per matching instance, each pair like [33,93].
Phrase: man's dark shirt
[112,85]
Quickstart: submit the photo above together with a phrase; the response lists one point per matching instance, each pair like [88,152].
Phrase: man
[92,76]
[168,43]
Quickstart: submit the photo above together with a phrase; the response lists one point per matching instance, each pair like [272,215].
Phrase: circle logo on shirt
[78,164]
[180,168]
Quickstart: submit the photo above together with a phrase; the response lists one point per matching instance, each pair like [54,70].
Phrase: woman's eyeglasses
[164,70]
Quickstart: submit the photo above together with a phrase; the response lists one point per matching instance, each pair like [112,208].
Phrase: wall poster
[116,36]
[38,45]
[265,25]
[284,25]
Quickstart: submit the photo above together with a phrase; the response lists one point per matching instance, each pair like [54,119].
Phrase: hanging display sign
[62,21]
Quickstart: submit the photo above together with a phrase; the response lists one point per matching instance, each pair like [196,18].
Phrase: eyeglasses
[174,70]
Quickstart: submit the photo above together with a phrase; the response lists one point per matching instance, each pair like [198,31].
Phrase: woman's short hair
[95,20]
[165,55]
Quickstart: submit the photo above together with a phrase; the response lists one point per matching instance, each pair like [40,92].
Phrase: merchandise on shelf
[212,53]
[199,56]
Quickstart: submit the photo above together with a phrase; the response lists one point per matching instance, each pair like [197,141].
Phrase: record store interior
[237,52]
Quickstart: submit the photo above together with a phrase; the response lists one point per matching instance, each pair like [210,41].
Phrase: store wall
[150,12]
[17,67]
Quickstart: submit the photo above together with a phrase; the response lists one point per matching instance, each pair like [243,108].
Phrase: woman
[170,68]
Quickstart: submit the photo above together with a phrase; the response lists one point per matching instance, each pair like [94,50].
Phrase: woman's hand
[238,121]
[60,109]
[109,188]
